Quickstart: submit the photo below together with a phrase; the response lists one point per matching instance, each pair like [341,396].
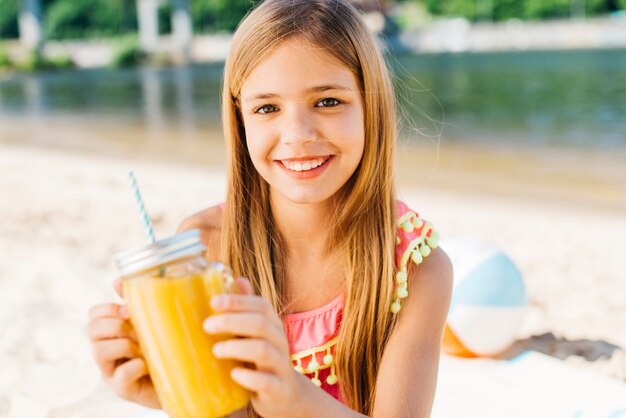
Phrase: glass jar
[167,287]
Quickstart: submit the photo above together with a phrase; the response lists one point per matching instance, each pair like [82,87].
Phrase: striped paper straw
[145,219]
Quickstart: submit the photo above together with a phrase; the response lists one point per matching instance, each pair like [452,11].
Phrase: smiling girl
[328,256]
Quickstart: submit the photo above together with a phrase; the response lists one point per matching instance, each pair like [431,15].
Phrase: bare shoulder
[430,286]
[423,315]
[209,222]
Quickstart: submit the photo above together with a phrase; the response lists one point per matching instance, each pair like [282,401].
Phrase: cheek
[252,138]
[354,131]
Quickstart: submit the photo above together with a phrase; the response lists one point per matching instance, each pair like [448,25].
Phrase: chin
[305,198]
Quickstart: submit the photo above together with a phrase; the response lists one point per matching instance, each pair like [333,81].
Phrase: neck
[304,228]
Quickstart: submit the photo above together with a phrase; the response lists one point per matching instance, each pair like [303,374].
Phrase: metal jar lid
[176,247]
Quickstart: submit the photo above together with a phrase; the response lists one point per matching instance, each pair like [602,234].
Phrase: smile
[304,165]
[305,168]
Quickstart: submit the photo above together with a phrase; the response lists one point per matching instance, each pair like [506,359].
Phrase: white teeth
[309,165]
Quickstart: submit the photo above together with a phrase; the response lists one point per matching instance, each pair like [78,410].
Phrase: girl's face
[304,121]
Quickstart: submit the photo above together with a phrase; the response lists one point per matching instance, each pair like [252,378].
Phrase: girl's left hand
[276,387]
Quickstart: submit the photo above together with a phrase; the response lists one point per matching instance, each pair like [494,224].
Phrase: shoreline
[554,175]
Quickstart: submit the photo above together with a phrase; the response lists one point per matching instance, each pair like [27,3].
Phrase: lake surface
[566,98]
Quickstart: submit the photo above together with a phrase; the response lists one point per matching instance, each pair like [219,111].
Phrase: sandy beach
[65,212]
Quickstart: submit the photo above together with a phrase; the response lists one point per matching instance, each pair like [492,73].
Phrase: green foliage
[219,15]
[105,18]
[60,63]
[128,53]
[67,19]
[9,11]
[5,60]
[523,9]
[164,15]
[35,61]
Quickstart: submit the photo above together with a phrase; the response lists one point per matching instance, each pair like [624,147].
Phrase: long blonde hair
[364,233]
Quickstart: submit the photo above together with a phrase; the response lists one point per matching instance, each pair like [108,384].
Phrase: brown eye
[328,102]
[266,109]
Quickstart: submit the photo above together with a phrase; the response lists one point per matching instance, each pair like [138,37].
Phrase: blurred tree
[9,11]
[541,9]
[165,18]
[219,15]
[464,8]
[89,18]
[522,9]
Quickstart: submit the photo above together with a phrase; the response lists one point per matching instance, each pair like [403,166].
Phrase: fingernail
[218,302]
[236,373]
[218,349]
[209,325]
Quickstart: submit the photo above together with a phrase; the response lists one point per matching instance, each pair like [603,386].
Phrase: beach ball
[488,299]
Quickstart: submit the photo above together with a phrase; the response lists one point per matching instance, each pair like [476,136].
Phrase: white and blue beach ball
[488,299]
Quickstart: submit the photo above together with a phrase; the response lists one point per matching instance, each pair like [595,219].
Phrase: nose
[298,126]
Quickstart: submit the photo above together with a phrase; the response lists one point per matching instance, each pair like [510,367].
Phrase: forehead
[294,66]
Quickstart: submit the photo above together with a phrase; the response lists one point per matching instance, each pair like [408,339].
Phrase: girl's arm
[408,373]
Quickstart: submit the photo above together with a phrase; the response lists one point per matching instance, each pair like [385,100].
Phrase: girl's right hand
[116,350]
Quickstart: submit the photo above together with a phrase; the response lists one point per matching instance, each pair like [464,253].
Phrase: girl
[312,221]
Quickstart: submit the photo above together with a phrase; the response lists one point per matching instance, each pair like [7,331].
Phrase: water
[572,98]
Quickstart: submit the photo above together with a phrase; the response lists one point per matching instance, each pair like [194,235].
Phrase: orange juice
[167,313]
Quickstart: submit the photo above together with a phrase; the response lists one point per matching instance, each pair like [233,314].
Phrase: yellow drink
[167,313]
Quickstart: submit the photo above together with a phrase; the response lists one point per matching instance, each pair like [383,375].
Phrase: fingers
[248,324]
[127,374]
[109,310]
[257,381]
[259,352]
[109,353]
[109,321]
[106,328]
[242,303]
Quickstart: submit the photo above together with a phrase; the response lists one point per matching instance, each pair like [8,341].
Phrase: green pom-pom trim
[395,307]
[400,277]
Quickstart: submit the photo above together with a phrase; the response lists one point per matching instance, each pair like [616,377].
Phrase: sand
[65,213]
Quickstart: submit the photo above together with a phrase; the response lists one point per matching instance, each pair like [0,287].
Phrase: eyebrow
[315,89]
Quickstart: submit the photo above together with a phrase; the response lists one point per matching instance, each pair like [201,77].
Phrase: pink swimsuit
[313,334]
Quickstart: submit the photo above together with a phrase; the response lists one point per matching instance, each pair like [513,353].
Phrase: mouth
[305,164]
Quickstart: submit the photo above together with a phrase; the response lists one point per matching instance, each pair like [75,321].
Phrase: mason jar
[168,286]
